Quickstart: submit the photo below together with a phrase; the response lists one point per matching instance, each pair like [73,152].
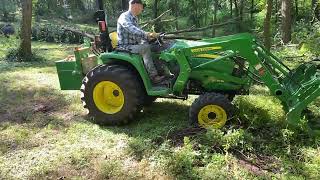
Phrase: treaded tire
[209,99]
[128,83]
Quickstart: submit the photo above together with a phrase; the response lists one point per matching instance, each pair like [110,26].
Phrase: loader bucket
[303,84]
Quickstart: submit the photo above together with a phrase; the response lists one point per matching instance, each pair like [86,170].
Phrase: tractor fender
[134,61]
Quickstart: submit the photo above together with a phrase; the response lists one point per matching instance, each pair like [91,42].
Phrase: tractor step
[159,91]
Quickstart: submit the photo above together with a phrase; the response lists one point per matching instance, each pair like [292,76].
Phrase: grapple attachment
[303,84]
[295,88]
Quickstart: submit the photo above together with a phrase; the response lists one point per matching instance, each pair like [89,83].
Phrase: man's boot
[157,79]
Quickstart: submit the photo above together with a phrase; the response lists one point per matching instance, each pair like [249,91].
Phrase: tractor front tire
[111,94]
[210,110]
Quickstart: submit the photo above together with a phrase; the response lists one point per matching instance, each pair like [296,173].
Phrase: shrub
[56,33]
[231,139]
[14,55]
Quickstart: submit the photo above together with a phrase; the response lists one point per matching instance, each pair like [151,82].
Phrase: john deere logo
[206,49]
[208,56]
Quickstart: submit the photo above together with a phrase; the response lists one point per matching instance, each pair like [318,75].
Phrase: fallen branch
[293,57]
[181,37]
[90,36]
[144,24]
[203,28]
[168,20]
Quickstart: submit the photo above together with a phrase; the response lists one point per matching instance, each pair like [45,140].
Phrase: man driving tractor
[131,37]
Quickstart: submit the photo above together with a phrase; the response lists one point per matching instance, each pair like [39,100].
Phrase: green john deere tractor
[115,85]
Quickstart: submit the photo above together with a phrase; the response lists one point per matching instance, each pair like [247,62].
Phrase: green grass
[45,134]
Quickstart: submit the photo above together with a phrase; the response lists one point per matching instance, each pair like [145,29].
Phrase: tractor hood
[181,43]
[172,45]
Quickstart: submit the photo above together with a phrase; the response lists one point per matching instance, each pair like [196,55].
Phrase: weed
[215,169]
[180,164]
[138,147]
[114,169]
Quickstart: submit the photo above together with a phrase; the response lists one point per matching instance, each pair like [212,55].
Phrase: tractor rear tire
[111,94]
[210,110]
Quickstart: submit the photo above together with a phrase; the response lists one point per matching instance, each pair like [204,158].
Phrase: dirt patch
[44,108]
[258,164]
[66,171]
[27,112]
[177,136]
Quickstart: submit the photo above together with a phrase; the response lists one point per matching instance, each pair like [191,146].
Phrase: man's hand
[153,35]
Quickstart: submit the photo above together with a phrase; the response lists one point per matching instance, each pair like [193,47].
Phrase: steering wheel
[159,40]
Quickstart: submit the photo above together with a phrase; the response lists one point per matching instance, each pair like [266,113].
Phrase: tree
[276,12]
[267,24]
[286,20]
[25,45]
[215,21]
[238,5]
[252,10]
[231,7]
[194,14]
[155,14]
[296,5]
[124,4]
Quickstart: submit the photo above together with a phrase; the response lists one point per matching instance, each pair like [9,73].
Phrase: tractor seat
[114,42]
[119,49]
[114,39]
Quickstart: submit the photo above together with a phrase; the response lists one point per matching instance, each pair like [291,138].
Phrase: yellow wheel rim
[212,116]
[108,97]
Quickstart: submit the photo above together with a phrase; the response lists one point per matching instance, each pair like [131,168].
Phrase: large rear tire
[111,94]
[210,110]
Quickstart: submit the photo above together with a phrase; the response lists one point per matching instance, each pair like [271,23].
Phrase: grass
[45,134]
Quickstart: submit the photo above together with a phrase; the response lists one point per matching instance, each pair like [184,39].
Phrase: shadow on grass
[11,66]
[266,143]
[156,121]
[37,106]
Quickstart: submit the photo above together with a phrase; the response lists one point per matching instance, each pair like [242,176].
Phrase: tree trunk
[231,8]
[277,11]
[296,8]
[286,20]
[215,5]
[176,4]
[25,45]
[241,9]
[155,15]
[313,10]
[252,10]
[237,13]
[206,13]
[193,14]
[267,26]
[125,5]
[99,4]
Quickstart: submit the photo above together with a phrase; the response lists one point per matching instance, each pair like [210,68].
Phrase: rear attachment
[72,69]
